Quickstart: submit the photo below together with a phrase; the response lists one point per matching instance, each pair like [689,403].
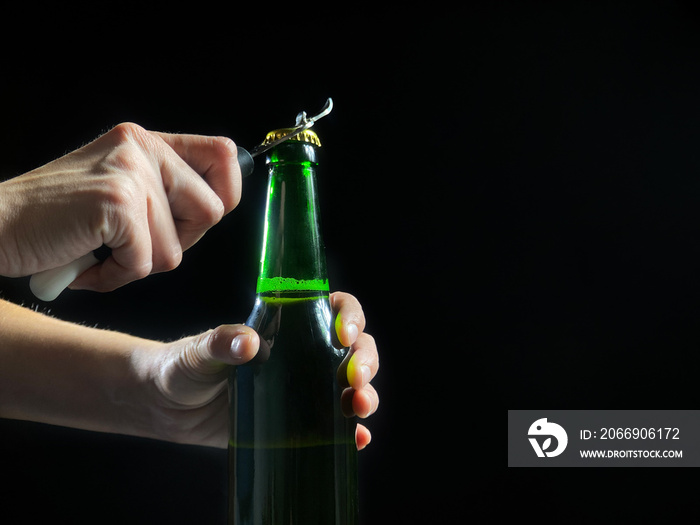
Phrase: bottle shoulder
[300,323]
[299,306]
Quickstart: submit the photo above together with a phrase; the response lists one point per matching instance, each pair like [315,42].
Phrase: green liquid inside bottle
[292,453]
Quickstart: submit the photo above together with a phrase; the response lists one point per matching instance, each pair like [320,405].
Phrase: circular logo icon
[548,439]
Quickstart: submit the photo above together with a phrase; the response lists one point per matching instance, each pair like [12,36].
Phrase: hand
[148,196]
[360,365]
[187,380]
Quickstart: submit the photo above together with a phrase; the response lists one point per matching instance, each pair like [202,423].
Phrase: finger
[193,204]
[159,211]
[209,353]
[148,243]
[361,364]
[215,159]
[111,274]
[230,344]
[362,437]
[195,367]
[350,319]
[362,403]
[166,241]
[131,258]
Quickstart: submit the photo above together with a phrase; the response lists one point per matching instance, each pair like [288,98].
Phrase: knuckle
[121,193]
[208,215]
[366,340]
[122,190]
[127,130]
[368,345]
[225,153]
[134,141]
[124,161]
[169,260]
[142,271]
[175,259]
[225,147]
[216,212]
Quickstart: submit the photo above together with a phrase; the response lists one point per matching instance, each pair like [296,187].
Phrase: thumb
[193,372]
[207,354]
[230,344]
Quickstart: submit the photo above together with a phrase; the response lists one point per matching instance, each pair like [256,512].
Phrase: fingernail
[237,346]
[366,374]
[352,332]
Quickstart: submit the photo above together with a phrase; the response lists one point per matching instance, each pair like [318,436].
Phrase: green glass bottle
[292,453]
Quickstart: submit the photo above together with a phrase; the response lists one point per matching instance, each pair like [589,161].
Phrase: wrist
[135,394]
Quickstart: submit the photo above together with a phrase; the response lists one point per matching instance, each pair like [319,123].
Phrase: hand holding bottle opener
[48,285]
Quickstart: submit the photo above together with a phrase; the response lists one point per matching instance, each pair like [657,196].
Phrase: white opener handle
[48,285]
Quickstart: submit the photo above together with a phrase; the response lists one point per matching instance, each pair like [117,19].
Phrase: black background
[510,190]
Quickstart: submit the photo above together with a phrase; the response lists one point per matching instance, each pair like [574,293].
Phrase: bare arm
[61,373]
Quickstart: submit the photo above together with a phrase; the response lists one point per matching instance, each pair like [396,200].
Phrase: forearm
[56,372]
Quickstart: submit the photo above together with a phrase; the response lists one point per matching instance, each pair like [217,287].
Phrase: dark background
[510,190]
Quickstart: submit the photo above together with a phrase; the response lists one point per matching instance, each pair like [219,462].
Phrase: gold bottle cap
[307,136]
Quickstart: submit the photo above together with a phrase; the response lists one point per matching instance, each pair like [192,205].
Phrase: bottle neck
[293,256]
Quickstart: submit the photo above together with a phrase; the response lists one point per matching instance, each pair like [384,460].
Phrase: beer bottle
[292,453]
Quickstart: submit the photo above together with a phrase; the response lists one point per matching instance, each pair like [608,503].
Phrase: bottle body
[292,453]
